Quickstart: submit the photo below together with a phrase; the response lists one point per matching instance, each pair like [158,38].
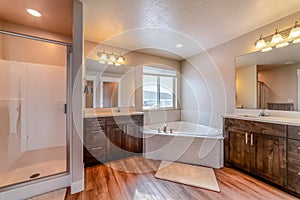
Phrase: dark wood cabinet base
[111,138]
[267,151]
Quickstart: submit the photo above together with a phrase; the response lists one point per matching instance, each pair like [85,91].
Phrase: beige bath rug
[55,195]
[202,177]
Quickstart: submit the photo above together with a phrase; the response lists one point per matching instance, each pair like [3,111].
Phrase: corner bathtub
[189,143]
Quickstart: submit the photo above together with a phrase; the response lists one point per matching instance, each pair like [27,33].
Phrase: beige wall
[224,55]
[26,50]
[137,60]
[246,87]
[222,59]
[281,84]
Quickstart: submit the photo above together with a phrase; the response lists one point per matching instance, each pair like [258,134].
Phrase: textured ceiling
[160,24]
[56,14]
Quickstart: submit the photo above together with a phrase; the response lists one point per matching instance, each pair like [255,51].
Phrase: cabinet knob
[298,133]
[298,148]
[299,173]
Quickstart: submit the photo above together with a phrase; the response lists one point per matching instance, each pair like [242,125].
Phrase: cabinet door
[268,157]
[239,149]
[115,141]
[294,165]
[133,138]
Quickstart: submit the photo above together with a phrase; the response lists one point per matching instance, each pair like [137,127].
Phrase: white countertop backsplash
[274,116]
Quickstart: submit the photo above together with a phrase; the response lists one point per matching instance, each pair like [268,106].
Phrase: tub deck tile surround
[133,178]
[189,143]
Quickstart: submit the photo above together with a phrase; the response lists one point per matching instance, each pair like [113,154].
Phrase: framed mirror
[269,80]
[109,86]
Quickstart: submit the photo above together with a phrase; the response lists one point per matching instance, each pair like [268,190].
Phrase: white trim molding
[77,186]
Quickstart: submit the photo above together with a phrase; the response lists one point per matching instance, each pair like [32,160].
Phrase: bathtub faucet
[165,128]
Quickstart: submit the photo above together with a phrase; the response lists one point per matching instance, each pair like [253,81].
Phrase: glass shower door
[33,92]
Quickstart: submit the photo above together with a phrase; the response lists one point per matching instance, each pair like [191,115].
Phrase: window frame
[174,90]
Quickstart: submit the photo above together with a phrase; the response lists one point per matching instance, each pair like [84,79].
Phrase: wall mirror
[269,80]
[109,86]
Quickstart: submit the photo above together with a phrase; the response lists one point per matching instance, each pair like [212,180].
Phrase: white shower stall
[33,88]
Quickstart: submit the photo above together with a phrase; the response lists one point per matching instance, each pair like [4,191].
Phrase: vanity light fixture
[260,43]
[110,58]
[276,38]
[33,12]
[295,32]
[279,39]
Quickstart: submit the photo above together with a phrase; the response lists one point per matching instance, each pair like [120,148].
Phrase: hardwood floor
[133,178]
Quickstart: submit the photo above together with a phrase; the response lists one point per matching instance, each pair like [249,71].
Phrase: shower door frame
[67,107]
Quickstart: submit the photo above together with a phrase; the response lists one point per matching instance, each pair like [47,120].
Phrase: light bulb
[295,32]
[296,41]
[260,43]
[284,44]
[121,59]
[112,58]
[266,49]
[103,56]
[118,64]
[276,38]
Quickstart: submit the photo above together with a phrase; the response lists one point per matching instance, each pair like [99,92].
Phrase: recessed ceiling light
[179,45]
[34,12]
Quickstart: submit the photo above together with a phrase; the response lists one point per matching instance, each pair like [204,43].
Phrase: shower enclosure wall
[33,94]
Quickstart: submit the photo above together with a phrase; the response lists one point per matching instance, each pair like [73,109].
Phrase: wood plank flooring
[133,179]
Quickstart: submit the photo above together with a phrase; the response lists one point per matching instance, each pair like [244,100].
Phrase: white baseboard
[77,186]
[39,188]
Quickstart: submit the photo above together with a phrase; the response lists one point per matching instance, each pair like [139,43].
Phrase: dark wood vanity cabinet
[258,148]
[112,138]
[293,155]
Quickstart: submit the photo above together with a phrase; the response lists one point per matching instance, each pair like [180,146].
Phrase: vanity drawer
[95,136]
[294,152]
[95,122]
[137,118]
[129,119]
[294,132]
[257,127]
[293,180]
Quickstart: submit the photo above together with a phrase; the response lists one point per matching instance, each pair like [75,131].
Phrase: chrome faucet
[165,127]
[263,113]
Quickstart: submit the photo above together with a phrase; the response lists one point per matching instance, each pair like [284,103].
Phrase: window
[159,88]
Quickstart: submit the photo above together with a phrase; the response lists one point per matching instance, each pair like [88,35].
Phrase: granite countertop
[269,119]
[110,114]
